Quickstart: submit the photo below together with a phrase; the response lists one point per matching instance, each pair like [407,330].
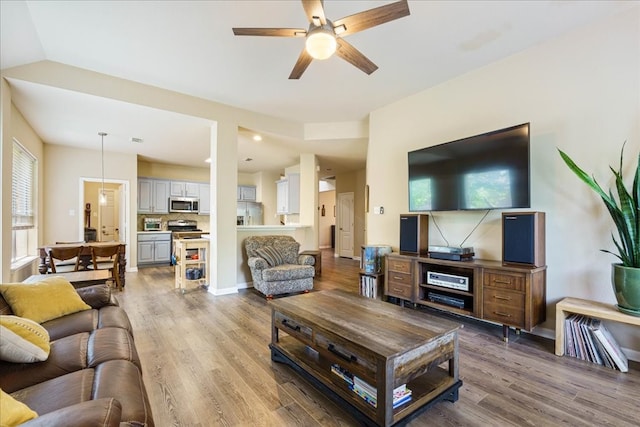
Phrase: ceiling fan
[325,37]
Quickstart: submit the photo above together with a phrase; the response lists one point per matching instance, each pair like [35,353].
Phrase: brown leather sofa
[92,375]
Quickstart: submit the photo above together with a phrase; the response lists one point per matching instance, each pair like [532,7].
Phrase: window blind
[23,187]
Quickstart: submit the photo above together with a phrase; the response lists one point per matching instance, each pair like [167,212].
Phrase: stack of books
[588,339]
[367,392]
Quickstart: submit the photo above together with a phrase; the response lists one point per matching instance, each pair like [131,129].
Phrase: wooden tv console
[512,295]
[381,344]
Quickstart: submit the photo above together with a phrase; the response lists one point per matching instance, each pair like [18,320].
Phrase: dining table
[85,256]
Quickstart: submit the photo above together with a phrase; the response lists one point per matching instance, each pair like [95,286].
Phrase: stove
[184,229]
[182,225]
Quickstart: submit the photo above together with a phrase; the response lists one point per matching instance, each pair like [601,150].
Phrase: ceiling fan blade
[301,65]
[353,56]
[272,32]
[372,17]
[314,8]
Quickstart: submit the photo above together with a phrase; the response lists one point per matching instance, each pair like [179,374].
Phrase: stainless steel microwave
[183,204]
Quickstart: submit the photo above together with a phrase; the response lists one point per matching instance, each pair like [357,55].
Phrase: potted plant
[625,212]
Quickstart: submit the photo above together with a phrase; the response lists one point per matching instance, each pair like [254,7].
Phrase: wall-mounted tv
[487,171]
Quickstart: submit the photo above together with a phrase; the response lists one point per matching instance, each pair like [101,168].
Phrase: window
[23,196]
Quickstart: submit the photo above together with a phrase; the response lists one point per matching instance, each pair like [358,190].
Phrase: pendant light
[102,198]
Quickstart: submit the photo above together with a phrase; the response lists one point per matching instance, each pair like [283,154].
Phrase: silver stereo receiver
[445,280]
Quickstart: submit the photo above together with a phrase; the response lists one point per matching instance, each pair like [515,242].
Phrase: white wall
[581,93]
[63,168]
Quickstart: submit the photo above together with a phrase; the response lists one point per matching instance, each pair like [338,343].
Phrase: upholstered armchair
[276,267]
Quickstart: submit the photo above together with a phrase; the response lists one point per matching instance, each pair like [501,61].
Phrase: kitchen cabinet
[185,189]
[153,196]
[247,193]
[288,195]
[204,208]
[154,247]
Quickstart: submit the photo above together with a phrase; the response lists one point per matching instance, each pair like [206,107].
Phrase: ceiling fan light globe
[321,44]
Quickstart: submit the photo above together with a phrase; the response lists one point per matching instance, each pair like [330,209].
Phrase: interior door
[108,217]
[345,224]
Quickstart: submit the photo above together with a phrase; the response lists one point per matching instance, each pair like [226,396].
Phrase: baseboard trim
[221,292]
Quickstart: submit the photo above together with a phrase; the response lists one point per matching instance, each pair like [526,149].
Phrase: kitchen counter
[154,232]
[289,227]
[187,234]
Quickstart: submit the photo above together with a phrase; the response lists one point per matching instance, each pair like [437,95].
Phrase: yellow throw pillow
[13,412]
[49,299]
[22,340]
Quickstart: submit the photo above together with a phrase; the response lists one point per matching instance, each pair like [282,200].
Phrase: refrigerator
[249,213]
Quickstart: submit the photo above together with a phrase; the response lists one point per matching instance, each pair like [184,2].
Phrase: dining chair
[64,260]
[106,258]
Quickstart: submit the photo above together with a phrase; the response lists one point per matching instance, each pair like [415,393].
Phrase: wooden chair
[107,258]
[64,260]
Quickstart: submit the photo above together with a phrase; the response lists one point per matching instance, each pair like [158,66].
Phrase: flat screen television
[481,172]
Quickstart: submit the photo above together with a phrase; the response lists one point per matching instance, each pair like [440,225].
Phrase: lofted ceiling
[189,47]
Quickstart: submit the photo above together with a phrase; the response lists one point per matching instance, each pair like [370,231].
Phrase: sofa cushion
[122,379]
[22,340]
[271,255]
[13,412]
[111,344]
[87,321]
[68,354]
[59,392]
[49,299]
[71,354]
[97,296]
[105,412]
[288,272]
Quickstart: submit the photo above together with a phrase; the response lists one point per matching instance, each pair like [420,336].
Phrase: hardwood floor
[206,362]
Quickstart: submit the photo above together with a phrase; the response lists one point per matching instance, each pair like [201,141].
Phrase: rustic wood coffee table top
[381,327]
[384,345]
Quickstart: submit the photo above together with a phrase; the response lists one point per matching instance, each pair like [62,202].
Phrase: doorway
[345,224]
[103,223]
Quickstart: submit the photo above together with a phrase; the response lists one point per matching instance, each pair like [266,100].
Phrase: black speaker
[523,241]
[414,234]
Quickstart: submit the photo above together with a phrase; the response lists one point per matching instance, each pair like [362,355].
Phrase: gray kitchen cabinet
[154,247]
[247,193]
[204,208]
[185,189]
[153,196]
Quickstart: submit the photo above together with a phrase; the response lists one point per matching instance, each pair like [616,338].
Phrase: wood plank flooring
[206,362]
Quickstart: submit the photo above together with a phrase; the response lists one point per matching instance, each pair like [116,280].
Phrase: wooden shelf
[599,310]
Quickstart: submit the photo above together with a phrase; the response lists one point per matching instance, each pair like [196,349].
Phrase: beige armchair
[276,266]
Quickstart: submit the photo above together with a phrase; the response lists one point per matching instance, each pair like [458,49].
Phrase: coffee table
[321,334]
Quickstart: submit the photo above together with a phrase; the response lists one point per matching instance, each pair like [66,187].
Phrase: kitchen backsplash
[203,220]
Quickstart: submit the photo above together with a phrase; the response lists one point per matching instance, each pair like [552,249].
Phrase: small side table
[317,255]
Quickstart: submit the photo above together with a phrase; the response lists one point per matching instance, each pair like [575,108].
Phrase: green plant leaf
[624,210]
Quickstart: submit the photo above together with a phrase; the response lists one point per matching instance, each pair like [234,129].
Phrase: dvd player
[452,249]
[446,299]
[451,257]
